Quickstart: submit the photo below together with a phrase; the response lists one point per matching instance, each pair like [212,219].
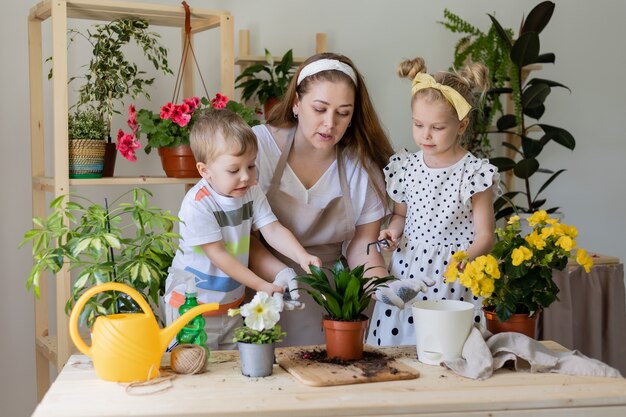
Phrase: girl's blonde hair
[471,82]
[216,131]
[364,137]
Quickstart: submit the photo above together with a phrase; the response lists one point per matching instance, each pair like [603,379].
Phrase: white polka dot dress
[438,223]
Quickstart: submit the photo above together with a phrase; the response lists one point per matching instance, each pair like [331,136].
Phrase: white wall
[586,37]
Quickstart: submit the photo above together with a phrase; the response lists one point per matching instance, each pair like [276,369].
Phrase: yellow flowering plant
[516,277]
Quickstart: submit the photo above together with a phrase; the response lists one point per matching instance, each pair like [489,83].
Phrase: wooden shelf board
[47,183]
[253,59]
[106,10]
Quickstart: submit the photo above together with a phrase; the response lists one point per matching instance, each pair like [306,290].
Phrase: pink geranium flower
[171,126]
[219,102]
[180,117]
[126,144]
[192,102]
[132,118]
[167,110]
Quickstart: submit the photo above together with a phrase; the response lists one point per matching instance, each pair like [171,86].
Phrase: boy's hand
[285,280]
[270,288]
[391,236]
[309,259]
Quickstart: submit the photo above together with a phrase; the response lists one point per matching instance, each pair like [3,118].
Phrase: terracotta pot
[178,162]
[344,339]
[520,323]
[269,105]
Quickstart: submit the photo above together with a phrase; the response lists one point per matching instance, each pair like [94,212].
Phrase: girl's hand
[390,235]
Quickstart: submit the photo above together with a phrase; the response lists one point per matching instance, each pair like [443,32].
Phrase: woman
[320,162]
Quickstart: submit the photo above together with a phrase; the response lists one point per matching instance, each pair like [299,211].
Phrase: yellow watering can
[128,347]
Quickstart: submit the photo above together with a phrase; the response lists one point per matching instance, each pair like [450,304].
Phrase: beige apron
[322,232]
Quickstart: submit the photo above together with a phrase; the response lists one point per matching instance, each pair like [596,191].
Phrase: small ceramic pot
[256,360]
[520,323]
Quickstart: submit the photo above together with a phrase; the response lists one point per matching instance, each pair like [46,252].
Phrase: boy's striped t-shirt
[206,217]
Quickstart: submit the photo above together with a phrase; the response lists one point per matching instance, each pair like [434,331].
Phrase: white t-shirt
[206,217]
[365,202]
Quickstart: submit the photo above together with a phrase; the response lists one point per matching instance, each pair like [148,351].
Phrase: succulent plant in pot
[344,293]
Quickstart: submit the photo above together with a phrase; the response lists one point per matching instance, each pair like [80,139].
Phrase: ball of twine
[188,359]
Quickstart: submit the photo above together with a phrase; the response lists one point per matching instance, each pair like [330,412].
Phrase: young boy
[217,216]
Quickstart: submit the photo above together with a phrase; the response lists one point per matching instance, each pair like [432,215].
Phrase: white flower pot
[256,360]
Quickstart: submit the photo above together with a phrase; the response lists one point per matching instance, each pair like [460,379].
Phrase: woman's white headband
[326,65]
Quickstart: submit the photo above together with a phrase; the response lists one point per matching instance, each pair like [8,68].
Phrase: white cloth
[438,223]
[485,353]
[209,217]
[365,202]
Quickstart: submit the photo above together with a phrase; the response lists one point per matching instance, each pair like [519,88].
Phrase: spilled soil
[372,363]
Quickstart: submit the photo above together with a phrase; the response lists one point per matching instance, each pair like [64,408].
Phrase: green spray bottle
[193,332]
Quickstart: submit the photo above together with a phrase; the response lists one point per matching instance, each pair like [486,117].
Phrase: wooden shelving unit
[57,348]
[245,58]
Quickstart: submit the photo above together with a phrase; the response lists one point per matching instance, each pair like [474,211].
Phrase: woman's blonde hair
[365,136]
[216,131]
[471,82]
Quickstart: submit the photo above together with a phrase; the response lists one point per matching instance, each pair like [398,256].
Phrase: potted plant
[87,133]
[268,89]
[129,242]
[169,130]
[511,59]
[515,279]
[344,296]
[256,338]
[487,48]
[110,76]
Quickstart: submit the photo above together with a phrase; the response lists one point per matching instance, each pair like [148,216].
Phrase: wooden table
[224,392]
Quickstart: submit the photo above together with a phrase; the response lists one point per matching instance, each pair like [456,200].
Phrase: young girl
[443,198]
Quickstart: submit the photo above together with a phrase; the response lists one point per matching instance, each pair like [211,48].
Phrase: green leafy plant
[529,102]
[346,294]
[261,316]
[130,242]
[172,125]
[516,277]
[524,51]
[489,49]
[87,124]
[274,84]
[110,75]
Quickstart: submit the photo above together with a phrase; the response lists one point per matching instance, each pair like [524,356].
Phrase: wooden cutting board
[375,367]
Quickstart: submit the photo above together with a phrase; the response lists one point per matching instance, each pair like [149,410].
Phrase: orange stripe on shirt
[202,192]
[177,299]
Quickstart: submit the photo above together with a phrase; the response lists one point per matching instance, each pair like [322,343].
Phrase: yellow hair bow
[423,80]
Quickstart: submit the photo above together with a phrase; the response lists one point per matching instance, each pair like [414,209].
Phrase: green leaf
[526,168]
[504,36]
[506,122]
[559,135]
[535,95]
[531,147]
[549,181]
[538,17]
[547,58]
[502,163]
[549,83]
